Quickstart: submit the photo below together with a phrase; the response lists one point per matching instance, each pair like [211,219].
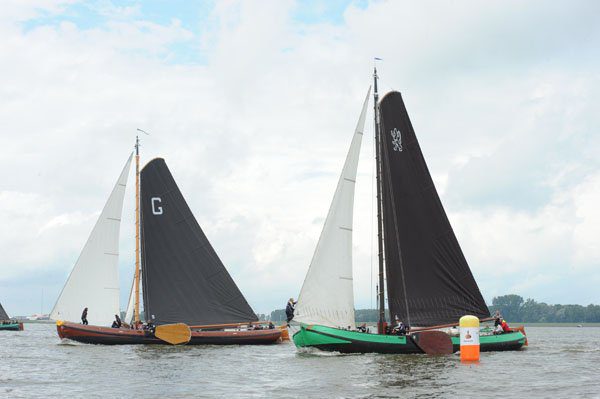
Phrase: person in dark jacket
[117,323]
[289,310]
[84,317]
[497,318]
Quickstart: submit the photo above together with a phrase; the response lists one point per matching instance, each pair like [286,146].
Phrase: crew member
[117,323]
[289,310]
[497,318]
[399,328]
[84,317]
[505,327]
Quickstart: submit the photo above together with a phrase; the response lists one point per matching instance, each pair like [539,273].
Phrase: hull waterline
[123,336]
[11,327]
[511,341]
[344,341]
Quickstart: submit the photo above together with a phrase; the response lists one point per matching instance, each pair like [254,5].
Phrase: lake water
[560,362]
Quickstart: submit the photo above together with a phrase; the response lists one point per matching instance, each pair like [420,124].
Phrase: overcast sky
[253,106]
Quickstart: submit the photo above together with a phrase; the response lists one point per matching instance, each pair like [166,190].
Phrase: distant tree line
[513,308]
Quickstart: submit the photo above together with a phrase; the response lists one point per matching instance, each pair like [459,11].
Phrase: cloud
[253,106]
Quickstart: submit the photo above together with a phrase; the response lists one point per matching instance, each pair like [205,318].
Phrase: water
[560,362]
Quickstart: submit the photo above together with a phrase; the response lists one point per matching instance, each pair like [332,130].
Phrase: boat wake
[69,342]
[581,349]
[312,351]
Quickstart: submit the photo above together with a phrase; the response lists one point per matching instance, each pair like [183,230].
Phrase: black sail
[184,279]
[428,279]
[3,315]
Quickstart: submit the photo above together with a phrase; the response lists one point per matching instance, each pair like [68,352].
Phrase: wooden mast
[380,286]
[136,311]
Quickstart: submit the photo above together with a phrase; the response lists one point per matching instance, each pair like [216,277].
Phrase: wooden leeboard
[433,342]
[175,334]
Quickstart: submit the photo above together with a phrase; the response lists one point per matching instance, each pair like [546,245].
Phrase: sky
[253,105]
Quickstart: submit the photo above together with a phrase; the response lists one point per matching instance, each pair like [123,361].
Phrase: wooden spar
[230,325]
[416,329]
[380,285]
[136,311]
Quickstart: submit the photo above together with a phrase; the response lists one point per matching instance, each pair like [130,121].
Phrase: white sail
[327,295]
[130,304]
[94,280]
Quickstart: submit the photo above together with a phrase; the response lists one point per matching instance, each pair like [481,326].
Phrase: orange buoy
[469,338]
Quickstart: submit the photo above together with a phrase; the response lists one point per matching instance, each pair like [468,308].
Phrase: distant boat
[188,295]
[8,324]
[429,283]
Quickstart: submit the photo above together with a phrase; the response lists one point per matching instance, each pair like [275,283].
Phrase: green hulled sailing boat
[428,280]
[8,324]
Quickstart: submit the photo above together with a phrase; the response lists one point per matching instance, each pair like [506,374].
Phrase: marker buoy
[469,338]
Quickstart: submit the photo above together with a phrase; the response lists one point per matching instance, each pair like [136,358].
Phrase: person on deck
[498,329]
[84,316]
[497,318]
[399,327]
[505,327]
[117,323]
[289,310]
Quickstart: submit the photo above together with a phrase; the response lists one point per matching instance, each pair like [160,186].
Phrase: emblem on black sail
[396,140]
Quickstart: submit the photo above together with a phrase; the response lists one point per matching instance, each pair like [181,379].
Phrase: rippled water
[560,362]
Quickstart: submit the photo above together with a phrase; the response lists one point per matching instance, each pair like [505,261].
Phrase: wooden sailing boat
[8,324]
[189,297]
[429,282]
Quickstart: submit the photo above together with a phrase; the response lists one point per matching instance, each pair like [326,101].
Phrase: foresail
[130,304]
[183,278]
[327,295]
[94,280]
[428,279]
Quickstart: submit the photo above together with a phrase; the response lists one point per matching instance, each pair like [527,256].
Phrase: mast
[380,289]
[136,311]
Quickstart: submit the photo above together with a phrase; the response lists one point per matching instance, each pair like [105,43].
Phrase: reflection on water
[561,362]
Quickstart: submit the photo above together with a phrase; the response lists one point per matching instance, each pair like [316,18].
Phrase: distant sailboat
[8,324]
[189,297]
[429,283]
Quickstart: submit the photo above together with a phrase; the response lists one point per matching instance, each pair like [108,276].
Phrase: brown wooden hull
[124,336]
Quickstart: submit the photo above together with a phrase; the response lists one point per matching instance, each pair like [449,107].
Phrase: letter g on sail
[156,209]
[396,139]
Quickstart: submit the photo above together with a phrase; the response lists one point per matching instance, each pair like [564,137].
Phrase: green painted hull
[10,327]
[492,343]
[344,341]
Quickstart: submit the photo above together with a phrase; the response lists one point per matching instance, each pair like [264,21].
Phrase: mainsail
[183,278]
[428,279]
[3,315]
[327,295]
[94,280]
